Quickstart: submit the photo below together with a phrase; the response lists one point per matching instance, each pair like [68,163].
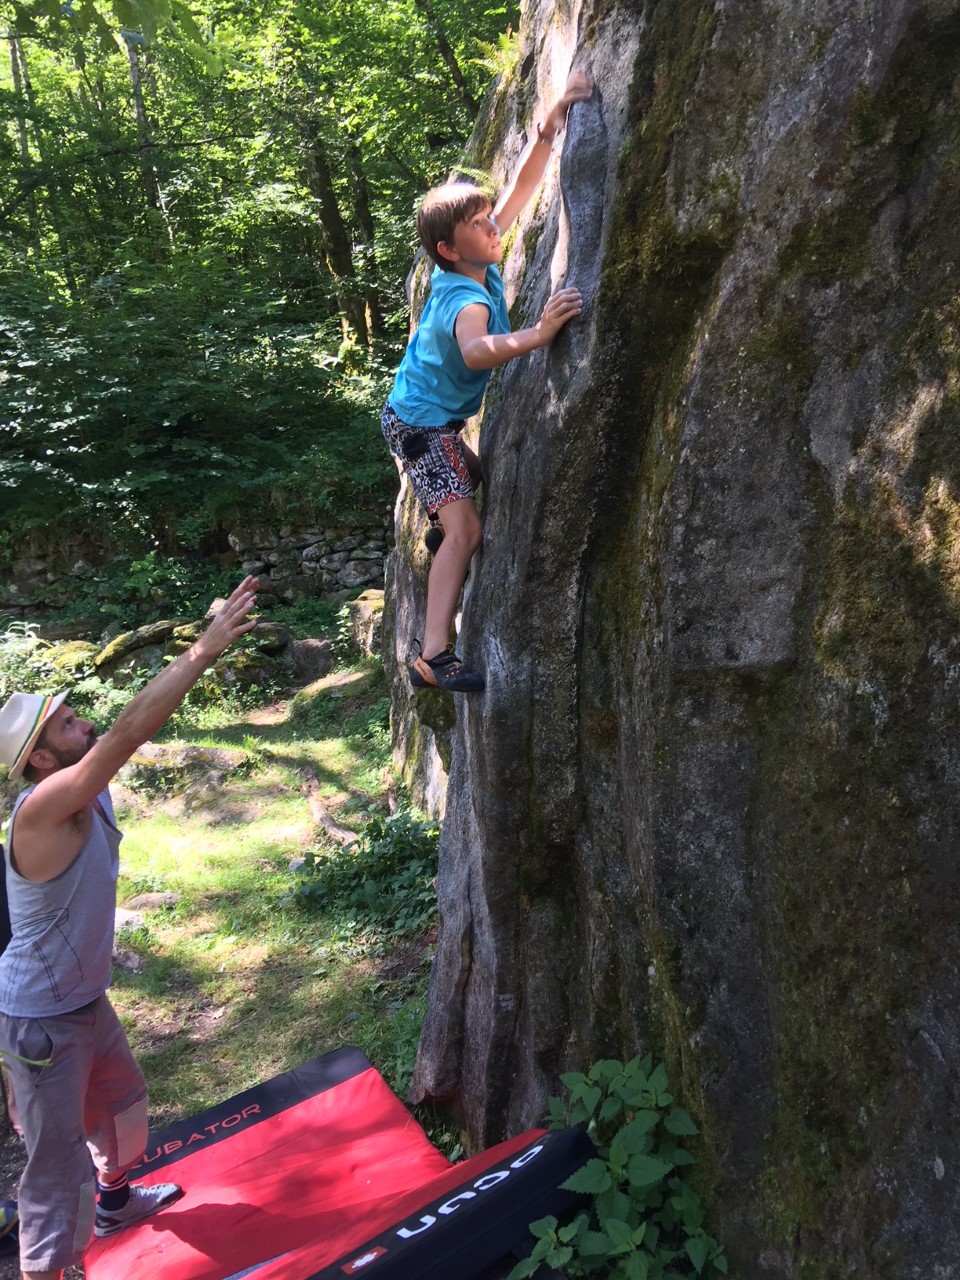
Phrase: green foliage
[383,883]
[344,647]
[102,20]
[644,1222]
[25,661]
[174,398]
[134,590]
[201,298]
[500,57]
[307,616]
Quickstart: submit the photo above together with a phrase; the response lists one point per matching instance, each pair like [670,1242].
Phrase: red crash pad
[322,1172]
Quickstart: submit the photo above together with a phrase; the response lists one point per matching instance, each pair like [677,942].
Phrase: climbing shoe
[433,538]
[445,671]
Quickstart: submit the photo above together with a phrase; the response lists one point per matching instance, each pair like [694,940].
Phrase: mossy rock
[240,670]
[348,688]
[270,637]
[147,661]
[160,768]
[73,658]
[187,632]
[151,634]
[366,621]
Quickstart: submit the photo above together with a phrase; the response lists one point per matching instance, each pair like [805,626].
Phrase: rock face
[710,801]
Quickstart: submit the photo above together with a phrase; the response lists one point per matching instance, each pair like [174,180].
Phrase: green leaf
[634,1136]
[613,1204]
[595,1244]
[593,1178]
[588,1095]
[556,1114]
[528,1267]
[679,1122]
[567,1233]
[543,1227]
[620,1234]
[573,1080]
[677,1155]
[636,1267]
[698,1250]
[687,1203]
[720,1263]
[611,1107]
[646,1170]
[605,1070]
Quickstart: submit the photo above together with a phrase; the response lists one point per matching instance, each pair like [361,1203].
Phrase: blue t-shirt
[433,386]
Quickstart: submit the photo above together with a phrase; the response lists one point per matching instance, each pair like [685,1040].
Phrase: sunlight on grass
[241,978]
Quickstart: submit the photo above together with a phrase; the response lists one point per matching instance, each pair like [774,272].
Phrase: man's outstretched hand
[232,621]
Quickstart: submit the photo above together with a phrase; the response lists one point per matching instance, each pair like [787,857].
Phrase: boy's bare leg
[462,532]
[41,1275]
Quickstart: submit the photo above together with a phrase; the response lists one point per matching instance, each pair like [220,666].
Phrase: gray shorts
[433,459]
[87,1108]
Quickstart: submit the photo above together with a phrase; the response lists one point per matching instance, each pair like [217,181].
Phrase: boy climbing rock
[463,334]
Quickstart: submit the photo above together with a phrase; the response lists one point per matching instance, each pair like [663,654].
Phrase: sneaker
[433,538]
[142,1203]
[445,671]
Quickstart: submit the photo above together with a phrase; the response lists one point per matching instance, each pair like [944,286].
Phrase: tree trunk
[708,803]
[364,217]
[161,232]
[23,137]
[448,56]
[22,79]
[337,249]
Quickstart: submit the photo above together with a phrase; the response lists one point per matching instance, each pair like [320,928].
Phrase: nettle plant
[643,1222]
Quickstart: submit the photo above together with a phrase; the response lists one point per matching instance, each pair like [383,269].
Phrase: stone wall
[328,560]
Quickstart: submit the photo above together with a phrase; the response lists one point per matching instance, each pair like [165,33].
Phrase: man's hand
[232,621]
[52,822]
[561,307]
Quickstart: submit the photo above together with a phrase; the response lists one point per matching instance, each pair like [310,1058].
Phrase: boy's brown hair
[441,210]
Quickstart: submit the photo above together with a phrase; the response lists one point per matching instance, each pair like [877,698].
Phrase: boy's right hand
[561,307]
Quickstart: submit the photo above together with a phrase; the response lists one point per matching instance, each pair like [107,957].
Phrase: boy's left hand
[578,89]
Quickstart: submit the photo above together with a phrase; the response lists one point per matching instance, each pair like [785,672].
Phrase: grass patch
[255,967]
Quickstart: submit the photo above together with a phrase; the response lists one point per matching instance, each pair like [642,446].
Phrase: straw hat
[21,720]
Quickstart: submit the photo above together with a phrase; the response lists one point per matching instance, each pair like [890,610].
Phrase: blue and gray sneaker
[142,1203]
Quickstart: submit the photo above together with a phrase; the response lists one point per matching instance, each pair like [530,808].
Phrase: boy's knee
[466,531]
[475,533]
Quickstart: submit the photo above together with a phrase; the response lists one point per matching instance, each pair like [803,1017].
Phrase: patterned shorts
[433,459]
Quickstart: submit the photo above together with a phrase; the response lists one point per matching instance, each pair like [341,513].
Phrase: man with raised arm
[80,1093]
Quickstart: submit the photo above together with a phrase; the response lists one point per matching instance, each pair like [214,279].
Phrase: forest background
[206,220]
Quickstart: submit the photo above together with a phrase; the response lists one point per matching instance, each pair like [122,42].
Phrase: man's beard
[66,758]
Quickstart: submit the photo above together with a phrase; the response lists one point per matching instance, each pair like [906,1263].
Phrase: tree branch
[46,175]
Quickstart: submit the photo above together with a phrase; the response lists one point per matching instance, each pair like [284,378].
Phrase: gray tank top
[59,956]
